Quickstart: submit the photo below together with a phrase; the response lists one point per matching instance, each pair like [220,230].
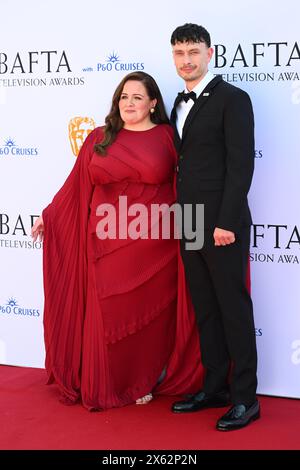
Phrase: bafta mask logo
[79,129]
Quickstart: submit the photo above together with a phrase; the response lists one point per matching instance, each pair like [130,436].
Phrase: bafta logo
[79,129]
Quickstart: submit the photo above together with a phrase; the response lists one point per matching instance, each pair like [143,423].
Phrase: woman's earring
[152,110]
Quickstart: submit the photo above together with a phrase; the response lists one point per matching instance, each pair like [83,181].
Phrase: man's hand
[223,237]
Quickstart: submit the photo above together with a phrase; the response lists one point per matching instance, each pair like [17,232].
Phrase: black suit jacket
[216,155]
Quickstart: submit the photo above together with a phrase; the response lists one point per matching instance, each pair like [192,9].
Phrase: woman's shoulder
[95,136]
[166,129]
[167,136]
[97,132]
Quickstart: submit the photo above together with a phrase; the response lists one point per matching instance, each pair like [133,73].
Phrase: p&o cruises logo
[114,63]
[11,307]
[10,148]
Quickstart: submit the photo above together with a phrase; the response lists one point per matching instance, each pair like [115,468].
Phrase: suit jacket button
[180,157]
[179,180]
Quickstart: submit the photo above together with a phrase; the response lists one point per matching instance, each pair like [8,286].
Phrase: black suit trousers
[217,281]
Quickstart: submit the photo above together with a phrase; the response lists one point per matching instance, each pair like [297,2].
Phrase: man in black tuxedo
[214,137]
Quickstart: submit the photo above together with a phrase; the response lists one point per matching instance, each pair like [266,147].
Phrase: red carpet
[32,418]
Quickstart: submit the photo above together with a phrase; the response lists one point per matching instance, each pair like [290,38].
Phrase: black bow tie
[186,96]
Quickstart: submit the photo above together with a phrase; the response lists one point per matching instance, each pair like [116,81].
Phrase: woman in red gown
[118,322]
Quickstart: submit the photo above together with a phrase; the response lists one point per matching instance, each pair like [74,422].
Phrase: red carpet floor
[33,418]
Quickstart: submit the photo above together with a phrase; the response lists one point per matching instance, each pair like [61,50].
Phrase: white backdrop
[61,60]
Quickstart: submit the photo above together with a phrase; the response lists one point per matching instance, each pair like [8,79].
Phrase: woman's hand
[37,230]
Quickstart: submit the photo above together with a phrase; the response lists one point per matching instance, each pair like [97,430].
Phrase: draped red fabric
[118,320]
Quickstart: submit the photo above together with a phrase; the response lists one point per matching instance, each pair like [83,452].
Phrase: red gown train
[118,321]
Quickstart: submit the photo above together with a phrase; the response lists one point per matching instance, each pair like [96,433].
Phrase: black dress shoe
[200,401]
[238,417]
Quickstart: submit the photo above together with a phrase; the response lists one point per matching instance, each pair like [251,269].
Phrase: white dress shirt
[184,108]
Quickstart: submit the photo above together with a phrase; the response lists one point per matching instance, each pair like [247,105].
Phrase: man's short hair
[190,32]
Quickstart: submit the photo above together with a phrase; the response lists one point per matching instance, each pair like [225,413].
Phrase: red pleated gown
[118,321]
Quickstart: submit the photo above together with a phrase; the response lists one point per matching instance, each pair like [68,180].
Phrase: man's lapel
[201,100]
[173,118]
